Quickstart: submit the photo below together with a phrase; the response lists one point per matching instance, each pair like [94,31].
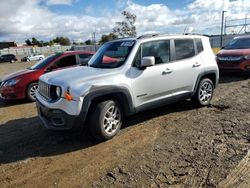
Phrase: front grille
[44,90]
[230,60]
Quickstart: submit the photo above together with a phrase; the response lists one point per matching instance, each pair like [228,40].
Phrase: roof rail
[148,35]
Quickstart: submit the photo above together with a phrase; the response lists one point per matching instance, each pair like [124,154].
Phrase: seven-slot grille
[44,90]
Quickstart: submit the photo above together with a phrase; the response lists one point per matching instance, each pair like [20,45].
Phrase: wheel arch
[27,86]
[212,75]
[99,94]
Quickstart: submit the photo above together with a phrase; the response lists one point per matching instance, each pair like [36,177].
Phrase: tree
[64,41]
[126,28]
[106,38]
[35,41]
[88,42]
[28,42]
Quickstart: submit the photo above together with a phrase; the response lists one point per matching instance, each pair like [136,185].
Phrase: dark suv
[8,58]
[235,56]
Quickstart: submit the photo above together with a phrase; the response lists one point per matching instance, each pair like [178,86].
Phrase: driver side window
[159,49]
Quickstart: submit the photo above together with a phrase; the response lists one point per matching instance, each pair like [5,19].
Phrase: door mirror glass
[147,61]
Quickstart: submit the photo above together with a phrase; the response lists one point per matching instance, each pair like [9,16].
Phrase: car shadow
[233,77]
[13,103]
[27,138]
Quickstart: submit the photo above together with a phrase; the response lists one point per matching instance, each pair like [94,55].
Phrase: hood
[234,52]
[76,75]
[16,74]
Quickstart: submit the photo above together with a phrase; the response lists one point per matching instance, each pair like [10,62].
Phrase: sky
[78,19]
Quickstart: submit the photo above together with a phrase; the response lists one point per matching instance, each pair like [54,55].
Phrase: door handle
[196,64]
[167,71]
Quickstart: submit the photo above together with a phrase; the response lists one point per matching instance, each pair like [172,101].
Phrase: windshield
[112,54]
[43,62]
[240,43]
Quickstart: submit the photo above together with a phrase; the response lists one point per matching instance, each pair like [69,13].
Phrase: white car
[34,57]
[127,76]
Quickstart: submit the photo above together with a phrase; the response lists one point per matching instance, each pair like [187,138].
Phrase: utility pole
[222,26]
[94,39]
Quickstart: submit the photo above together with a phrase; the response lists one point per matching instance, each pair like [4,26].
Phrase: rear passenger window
[184,48]
[199,45]
[66,61]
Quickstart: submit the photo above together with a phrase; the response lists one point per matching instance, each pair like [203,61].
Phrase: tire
[204,92]
[12,61]
[40,58]
[28,60]
[31,91]
[106,120]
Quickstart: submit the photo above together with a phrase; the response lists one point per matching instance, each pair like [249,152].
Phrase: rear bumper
[56,119]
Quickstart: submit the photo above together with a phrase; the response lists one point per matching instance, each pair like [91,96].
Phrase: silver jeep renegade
[127,76]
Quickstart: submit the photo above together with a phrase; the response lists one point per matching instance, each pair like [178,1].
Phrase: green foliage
[88,42]
[109,37]
[64,41]
[126,28]
[28,42]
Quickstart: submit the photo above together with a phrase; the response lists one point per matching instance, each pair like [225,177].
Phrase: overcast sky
[77,19]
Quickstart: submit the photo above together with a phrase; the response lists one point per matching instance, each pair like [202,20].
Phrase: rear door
[186,67]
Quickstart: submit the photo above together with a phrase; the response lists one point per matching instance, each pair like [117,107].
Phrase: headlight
[11,82]
[58,91]
[247,57]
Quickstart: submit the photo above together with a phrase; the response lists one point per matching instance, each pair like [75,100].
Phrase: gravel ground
[174,146]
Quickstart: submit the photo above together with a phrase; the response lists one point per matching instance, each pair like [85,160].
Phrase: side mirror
[147,61]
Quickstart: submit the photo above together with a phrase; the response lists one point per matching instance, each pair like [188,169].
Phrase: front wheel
[204,92]
[106,120]
[31,91]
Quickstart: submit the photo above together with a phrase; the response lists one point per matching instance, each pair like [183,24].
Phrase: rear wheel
[204,92]
[12,61]
[31,91]
[106,120]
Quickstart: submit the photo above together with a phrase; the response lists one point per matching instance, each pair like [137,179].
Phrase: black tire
[106,120]
[31,90]
[12,61]
[204,92]
[40,58]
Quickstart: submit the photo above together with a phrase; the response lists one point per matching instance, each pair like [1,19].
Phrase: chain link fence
[46,50]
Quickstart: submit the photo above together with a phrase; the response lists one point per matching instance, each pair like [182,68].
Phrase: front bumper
[11,93]
[56,119]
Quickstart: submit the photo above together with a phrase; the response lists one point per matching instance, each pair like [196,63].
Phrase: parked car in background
[235,56]
[24,83]
[8,58]
[33,57]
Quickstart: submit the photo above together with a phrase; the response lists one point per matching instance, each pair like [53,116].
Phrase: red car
[235,56]
[24,83]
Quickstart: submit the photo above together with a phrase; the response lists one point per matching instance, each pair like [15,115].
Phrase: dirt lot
[174,146]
